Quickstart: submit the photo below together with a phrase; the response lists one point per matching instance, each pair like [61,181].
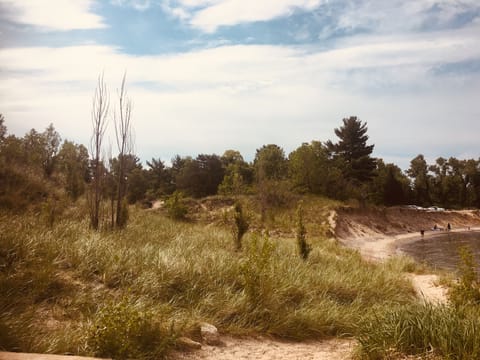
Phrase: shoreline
[383,246]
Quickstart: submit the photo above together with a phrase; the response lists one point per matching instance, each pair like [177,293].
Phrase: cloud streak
[247,95]
[54,15]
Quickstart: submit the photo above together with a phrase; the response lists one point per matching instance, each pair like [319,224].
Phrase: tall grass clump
[421,329]
[467,290]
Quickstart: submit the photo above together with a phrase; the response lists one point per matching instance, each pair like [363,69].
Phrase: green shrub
[257,273]
[240,225]
[123,331]
[303,247]
[176,208]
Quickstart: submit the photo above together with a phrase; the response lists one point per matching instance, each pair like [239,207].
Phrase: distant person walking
[422,232]
[449,227]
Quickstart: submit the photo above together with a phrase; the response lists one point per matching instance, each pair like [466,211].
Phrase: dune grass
[58,283]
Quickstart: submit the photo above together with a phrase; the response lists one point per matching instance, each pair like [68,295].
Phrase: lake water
[441,250]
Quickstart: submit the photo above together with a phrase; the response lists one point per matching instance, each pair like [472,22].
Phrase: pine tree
[353,150]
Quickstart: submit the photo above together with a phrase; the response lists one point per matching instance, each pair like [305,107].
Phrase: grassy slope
[56,282]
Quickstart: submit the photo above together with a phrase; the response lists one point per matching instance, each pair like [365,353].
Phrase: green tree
[390,186]
[271,170]
[270,163]
[352,149]
[472,174]
[159,178]
[137,185]
[311,170]
[3,129]
[73,164]
[51,141]
[200,176]
[238,173]
[418,171]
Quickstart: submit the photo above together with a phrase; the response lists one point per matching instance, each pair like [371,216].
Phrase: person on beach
[449,227]
[435,227]
[422,232]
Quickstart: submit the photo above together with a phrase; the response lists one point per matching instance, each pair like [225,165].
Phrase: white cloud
[233,12]
[246,96]
[60,15]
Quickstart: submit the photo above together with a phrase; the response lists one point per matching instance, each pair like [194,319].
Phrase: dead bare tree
[125,143]
[100,108]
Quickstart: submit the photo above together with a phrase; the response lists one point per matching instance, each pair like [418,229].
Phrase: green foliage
[159,178]
[73,164]
[175,206]
[312,171]
[418,171]
[421,329]
[353,151]
[201,176]
[124,331]
[304,248]
[3,129]
[467,290]
[240,225]
[256,271]
[270,163]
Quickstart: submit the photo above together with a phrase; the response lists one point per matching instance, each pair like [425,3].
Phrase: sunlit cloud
[60,15]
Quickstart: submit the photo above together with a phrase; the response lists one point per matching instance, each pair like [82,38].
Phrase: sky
[205,76]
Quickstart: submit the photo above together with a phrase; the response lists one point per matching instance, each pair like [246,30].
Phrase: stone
[210,335]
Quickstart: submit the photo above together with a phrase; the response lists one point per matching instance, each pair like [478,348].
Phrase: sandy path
[268,349]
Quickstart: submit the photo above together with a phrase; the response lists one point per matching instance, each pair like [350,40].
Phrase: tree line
[40,165]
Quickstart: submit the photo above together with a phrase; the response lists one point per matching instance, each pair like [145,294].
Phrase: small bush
[122,331]
[303,247]
[175,206]
[256,272]
[240,225]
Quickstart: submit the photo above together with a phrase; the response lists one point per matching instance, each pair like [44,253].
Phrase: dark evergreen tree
[201,176]
[353,151]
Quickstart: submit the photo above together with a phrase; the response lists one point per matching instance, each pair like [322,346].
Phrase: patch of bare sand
[268,349]
[427,288]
